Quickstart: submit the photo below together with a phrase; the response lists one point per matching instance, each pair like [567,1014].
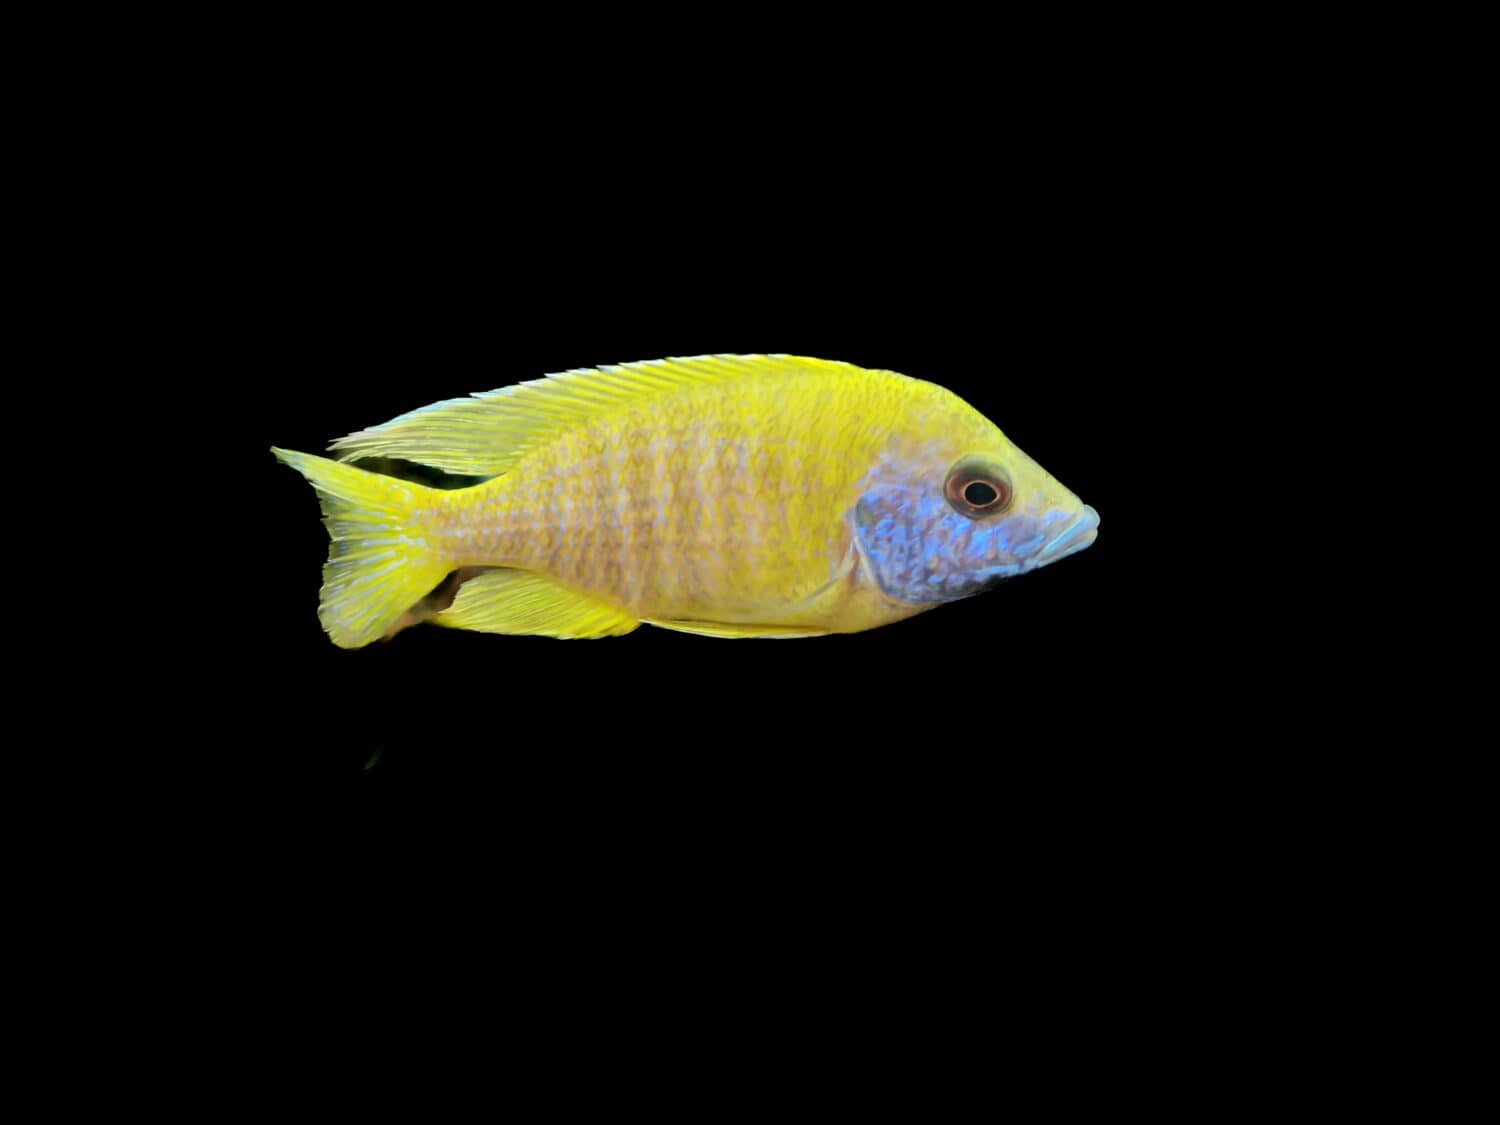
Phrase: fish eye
[980,494]
[977,489]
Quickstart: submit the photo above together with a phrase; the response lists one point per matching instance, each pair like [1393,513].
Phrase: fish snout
[1074,537]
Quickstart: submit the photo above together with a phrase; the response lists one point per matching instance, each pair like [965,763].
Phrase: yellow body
[719,503]
[714,495]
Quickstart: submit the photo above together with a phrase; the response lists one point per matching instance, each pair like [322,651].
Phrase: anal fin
[525,603]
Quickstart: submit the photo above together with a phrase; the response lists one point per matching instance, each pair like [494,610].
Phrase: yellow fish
[733,496]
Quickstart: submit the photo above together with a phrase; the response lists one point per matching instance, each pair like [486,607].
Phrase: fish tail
[381,561]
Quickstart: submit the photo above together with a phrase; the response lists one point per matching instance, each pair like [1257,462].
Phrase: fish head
[951,506]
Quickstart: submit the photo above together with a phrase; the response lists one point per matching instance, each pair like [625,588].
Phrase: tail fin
[380,563]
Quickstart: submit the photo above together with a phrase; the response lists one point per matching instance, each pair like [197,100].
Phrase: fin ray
[379,565]
[485,434]
[526,603]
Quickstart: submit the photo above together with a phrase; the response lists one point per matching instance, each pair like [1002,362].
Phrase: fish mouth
[1072,539]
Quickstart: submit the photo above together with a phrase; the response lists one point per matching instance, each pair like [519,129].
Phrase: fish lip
[1071,539]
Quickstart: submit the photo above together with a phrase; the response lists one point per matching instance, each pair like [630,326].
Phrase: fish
[719,495]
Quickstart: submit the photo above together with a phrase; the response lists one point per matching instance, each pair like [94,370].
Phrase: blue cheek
[991,538]
[1029,546]
[921,550]
[990,557]
[884,520]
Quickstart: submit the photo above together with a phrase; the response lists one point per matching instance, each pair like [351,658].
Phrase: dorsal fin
[487,433]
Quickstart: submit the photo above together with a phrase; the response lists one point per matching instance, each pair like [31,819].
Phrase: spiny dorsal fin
[487,433]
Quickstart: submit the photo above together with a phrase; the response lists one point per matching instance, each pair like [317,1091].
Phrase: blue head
[952,506]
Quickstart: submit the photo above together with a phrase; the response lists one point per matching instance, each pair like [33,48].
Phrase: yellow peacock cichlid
[733,496]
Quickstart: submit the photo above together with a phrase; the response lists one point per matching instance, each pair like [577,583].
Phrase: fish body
[726,495]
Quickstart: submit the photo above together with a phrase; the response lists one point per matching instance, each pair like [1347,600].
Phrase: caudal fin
[380,562]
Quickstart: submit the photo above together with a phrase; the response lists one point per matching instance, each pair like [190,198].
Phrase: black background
[1080,815]
[1029,816]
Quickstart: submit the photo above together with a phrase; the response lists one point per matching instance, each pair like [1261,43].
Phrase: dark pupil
[980,494]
